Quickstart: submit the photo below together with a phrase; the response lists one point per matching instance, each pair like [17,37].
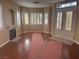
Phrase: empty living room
[39,29]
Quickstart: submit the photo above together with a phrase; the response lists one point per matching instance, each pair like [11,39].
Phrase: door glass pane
[59,20]
[69,20]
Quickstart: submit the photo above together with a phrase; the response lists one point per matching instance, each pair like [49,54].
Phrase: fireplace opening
[12,34]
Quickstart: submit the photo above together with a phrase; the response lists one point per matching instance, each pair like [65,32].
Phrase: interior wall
[6,6]
[46,27]
[52,22]
[77,25]
[18,26]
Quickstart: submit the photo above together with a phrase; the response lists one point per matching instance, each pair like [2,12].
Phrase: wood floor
[27,48]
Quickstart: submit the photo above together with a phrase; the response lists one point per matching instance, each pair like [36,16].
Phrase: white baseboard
[37,31]
[68,42]
[76,42]
[18,34]
[4,43]
[15,39]
[31,31]
[19,37]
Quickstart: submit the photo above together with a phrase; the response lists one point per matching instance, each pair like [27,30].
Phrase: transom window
[71,4]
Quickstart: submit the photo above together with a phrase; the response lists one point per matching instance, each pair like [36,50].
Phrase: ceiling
[31,4]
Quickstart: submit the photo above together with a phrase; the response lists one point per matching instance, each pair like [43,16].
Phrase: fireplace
[12,34]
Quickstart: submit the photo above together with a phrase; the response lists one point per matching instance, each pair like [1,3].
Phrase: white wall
[6,5]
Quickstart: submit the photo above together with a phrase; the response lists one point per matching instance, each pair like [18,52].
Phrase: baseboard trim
[16,39]
[19,34]
[36,31]
[31,31]
[4,43]
[76,42]
[73,41]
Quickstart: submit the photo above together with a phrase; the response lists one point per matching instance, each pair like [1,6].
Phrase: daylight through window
[1,18]
[59,20]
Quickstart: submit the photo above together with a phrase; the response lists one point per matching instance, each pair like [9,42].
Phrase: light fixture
[36,2]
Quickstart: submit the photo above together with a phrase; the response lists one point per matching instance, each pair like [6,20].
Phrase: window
[41,18]
[18,18]
[1,18]
[31,16]
[71,4]
[26,15]
[36,18]
[46,18]
[59,20]
[69,16]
